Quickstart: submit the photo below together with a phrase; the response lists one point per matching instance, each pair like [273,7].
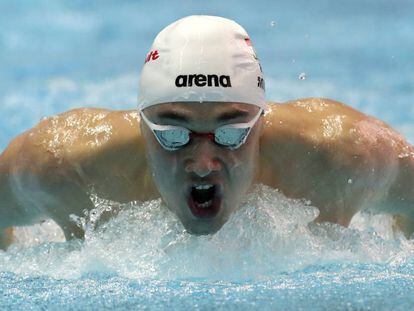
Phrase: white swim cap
[202,58]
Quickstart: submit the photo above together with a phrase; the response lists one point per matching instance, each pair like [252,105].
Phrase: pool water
[269,254]
[59,55]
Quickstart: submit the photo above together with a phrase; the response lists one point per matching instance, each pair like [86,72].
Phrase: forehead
[202,110]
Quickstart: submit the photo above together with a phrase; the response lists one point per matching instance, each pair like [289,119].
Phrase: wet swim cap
[202,58]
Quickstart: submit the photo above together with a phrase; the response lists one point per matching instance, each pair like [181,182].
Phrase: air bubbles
[350,181]
[302,76]
[273,24]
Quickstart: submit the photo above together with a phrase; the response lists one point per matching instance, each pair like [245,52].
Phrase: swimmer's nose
[203,159]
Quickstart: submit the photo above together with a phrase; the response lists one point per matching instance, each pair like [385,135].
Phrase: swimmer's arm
[399,199]
[38,175]
[12,211]
[50,170]
[340,159]
[379,162]
[388,162]
[33,188]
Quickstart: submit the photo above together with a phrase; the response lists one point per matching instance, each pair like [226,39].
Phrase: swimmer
[203,134]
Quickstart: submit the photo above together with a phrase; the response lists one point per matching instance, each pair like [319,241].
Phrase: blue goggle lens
[231,137]
[173,139]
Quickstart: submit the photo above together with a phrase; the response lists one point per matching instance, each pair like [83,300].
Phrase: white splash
[268,235]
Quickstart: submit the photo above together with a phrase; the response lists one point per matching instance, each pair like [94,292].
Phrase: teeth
[203,187]
[205,204]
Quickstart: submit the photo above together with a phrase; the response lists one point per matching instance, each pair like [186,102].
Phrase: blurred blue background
[58,55]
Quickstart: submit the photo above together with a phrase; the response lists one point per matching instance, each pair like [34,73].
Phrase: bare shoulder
[334,127]
[83,132]
[330,153]
[94,147]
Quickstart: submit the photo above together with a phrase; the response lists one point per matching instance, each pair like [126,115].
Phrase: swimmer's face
[202,182]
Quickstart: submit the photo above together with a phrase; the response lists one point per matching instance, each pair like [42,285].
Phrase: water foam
[269,235]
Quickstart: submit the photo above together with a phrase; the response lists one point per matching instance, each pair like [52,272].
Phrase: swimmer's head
[202,97]
[202,58]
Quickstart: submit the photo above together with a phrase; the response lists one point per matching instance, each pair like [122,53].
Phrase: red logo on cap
[153,55]
[248,42]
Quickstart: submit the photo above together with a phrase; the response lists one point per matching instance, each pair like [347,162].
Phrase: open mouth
[204,200]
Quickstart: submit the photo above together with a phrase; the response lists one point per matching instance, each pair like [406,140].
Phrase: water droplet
[302,76]
[273,23]
[350,181]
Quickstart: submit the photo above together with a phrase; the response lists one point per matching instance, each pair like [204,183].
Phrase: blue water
[331,287]
[57,55]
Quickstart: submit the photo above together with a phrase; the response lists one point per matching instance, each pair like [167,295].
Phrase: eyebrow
[230,115]
[172,115]
[225,116]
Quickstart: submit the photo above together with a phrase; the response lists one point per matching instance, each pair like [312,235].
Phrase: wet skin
[202,161]
[341,160]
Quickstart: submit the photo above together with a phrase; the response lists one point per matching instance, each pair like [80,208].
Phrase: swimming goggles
[173,137]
